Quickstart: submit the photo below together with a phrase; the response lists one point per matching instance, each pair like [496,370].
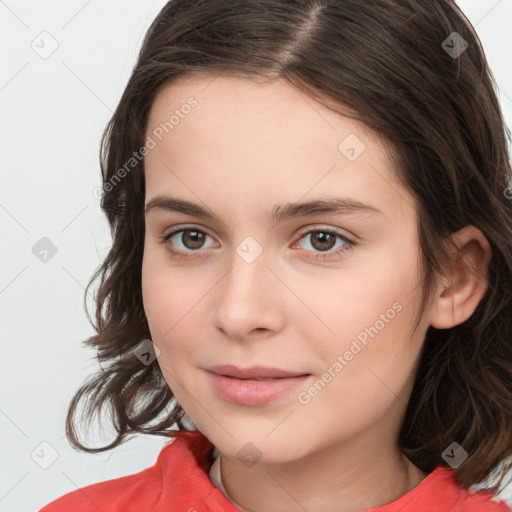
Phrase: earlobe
[466,281]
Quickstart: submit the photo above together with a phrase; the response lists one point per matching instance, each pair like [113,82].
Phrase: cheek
[367,368]
[174,307]
[378,296]
[164,297]
[371,311]
[168,305]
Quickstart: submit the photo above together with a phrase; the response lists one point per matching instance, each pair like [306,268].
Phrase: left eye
[325,240]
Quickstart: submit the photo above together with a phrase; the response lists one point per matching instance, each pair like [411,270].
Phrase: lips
[256,386]
[254,373]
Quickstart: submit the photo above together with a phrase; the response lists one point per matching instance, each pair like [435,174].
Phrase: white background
[53,111]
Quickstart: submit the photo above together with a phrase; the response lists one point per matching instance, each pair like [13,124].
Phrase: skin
[244,148]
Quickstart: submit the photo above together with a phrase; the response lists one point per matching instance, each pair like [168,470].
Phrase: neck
[353,475]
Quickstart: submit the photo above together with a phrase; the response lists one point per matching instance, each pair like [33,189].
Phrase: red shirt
[179,481]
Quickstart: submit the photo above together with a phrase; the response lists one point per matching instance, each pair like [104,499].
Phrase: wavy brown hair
[389,62]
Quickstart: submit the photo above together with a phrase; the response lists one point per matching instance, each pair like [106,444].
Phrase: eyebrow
[330,205]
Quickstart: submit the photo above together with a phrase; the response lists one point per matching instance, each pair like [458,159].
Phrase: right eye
[190,240]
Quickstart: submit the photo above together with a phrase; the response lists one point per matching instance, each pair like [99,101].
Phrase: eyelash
[180,255]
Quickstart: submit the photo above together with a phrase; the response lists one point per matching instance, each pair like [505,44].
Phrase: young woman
[310,283]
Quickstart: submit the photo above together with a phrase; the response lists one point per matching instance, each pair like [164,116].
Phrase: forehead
[261,139]
[224,99]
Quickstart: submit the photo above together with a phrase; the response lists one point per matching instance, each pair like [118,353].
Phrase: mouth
[253,373]
[255,386]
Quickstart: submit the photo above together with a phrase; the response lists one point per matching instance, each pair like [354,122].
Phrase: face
[250,279]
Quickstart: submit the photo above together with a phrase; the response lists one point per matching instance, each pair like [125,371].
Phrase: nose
[249,300]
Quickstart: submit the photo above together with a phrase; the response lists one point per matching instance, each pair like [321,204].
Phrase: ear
[459,292]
